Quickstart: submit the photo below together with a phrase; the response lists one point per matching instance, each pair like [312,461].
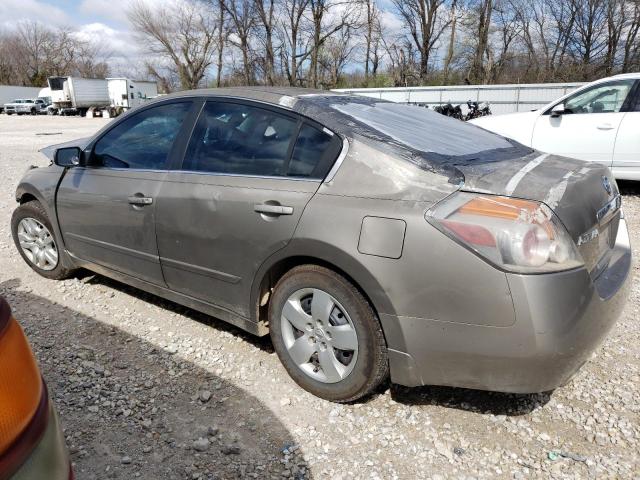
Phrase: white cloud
[12,11]
[391,23]
[115,10]
[120,46]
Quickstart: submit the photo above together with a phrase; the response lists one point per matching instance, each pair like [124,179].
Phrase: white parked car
[598,122]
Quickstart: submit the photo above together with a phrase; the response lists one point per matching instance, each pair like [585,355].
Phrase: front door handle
[605,126]
[140,200]
[273,209]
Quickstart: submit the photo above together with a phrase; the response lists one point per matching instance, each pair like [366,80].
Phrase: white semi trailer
[126,93]
[75,95]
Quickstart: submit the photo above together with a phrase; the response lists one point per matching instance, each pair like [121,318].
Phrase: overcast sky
[105,21]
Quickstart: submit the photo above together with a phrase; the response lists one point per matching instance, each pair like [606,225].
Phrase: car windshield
[422,129]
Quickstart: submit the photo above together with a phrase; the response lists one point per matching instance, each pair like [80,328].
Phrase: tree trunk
[449,57]
[220,44]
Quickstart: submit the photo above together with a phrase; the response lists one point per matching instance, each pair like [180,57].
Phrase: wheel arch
[316,253]
[28,192]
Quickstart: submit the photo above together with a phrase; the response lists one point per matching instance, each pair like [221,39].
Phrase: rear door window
[240,139]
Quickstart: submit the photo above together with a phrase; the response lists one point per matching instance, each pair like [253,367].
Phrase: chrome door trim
[338,162]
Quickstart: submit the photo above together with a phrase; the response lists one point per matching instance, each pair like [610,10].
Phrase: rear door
[588,128]
[107,209]
[247,175]
[626,154]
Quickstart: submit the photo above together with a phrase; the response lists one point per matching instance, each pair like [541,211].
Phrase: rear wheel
[36,242]
[326,334]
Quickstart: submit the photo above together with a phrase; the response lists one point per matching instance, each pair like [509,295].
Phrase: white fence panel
[503,98]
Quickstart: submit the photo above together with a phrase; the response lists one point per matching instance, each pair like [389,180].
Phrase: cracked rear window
[422,129]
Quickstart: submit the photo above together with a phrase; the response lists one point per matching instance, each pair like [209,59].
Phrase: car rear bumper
[561,318]
[49,459]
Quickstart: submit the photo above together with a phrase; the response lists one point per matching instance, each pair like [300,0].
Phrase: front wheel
[36,242]
[326,334]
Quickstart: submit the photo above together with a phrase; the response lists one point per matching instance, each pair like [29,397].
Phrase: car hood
[50,151]
[575,190]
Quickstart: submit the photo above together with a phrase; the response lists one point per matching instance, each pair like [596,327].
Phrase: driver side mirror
[68,157]
[558,110]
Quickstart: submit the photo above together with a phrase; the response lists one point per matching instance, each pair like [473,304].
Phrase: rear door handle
[605,126]
[139,200]
[273,209]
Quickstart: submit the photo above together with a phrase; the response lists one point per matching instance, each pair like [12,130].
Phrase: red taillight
[473,234]
[24,408]
[522,236]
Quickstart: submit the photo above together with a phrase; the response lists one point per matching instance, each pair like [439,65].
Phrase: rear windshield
[422,129]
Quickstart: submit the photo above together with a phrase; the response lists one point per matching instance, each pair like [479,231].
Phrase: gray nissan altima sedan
[370,239]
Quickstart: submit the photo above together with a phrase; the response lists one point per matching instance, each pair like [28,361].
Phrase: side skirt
[259,329]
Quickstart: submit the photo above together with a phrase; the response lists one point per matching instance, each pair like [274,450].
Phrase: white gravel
[149,389]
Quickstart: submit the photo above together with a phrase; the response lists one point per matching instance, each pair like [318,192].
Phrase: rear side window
[240,139]
[314,152]
[144,140]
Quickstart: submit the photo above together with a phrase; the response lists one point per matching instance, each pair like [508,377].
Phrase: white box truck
[75,95]
[126,93]
[8,93]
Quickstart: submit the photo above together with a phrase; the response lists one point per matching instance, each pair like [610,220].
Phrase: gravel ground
[148,389]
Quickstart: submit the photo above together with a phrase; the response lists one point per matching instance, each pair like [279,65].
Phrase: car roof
[627,75]
[282,96]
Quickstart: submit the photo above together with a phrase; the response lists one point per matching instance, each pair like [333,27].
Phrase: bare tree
[242,16]
[588,40]
[482,14]
[425,24]
[337,52]
[371,34]
[266,10]
[631,51]
[221,42]
[185,32]
[291,30]
[344,17]
[453,21]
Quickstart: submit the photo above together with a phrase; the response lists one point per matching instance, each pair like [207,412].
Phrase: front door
[247,175]
[107,209]
[588,128]
[626,155]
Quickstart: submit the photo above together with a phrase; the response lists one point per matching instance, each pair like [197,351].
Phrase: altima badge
[606,184]
[587,237]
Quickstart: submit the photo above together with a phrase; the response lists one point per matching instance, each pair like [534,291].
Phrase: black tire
[371,367]
[35,210]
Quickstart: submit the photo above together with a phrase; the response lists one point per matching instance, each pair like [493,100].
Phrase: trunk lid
[583,195]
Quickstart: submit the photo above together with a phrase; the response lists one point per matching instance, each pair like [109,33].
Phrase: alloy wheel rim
[37,244]
[319,335]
